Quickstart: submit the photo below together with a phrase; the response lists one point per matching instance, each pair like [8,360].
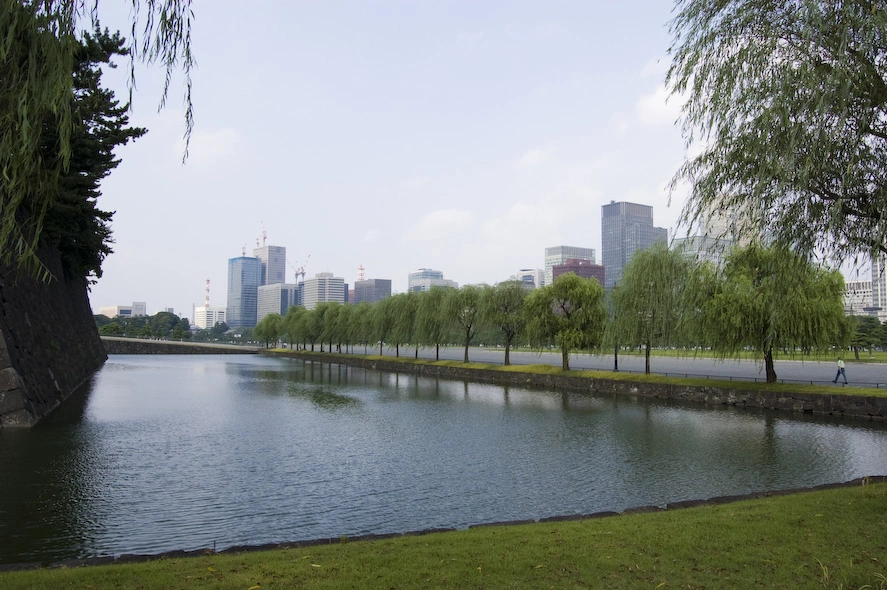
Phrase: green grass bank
[830,538]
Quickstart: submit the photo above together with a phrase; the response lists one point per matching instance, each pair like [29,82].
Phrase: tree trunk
[380,348]
[437,352]
[397,350]
[616,358]
[417,352]
[565,359]
[467,340]
[647,358]
[768,366]
[507,350]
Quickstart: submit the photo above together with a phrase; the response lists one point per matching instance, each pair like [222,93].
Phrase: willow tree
[770,299]
[432,324]
[461,309]
[789,102]
[648,302]
[38,58]
[502,306]
[569,312]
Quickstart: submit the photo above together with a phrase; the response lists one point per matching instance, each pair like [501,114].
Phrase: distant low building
[556,255]
[371,290]
[530,277]
[425,278]
[581,268]
[138,308]
[207,317]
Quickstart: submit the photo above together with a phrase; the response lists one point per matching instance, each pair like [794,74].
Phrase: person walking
[841,372]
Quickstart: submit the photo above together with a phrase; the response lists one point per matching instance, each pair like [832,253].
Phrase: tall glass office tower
[244,278]
[625,229]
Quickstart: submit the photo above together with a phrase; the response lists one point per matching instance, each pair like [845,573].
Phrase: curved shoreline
[141,558]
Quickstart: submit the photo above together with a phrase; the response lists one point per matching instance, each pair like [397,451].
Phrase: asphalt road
[810,372]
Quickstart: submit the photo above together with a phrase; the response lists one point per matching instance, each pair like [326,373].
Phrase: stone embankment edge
[855,406]
[717,500]
[117,345]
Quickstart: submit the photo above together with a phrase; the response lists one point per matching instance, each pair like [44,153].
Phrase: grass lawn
[824,539]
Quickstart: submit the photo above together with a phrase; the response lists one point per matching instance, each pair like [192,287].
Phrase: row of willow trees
[762,299]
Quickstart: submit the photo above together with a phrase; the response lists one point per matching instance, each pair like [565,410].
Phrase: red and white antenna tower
[206,301]
[360,270]
[243,250]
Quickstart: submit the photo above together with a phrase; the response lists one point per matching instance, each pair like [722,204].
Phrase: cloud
[534,157]
[207,147]
[659,108]
[372,235]
[656,68]
[443,224]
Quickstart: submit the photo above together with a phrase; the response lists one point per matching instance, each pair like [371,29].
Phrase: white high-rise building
[323,287]
[560,254]
[858,298]
[879,285]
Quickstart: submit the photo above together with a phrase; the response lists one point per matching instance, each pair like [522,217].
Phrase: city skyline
[461,136]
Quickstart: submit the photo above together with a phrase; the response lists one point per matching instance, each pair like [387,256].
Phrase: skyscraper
[244,277]
[323,287]
[625,229]
[560,254]
[273,264]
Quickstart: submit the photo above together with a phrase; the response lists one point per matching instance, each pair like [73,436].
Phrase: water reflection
[163,453]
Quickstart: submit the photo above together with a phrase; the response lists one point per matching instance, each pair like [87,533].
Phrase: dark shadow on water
[321,397]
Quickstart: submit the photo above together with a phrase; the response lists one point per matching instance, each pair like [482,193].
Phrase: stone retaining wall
[49,344]
[857,406]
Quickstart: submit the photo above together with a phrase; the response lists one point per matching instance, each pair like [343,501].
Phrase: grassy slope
[825,539]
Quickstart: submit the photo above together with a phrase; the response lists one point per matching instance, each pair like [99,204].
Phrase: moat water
[160,453]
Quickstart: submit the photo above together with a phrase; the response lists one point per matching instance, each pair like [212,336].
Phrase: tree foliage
[649,300]
[771,299]
[461,308]
[502,306]
[568,312]
[41,50]
[789,100]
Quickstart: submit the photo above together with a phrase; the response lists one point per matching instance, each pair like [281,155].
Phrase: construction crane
[263,235]
[301,270]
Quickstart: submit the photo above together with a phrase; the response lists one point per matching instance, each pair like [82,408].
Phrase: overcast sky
[460,136]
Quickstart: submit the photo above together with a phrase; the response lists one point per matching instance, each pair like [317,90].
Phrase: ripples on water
[166,453]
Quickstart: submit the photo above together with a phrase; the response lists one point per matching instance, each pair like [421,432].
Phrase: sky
[463,136]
